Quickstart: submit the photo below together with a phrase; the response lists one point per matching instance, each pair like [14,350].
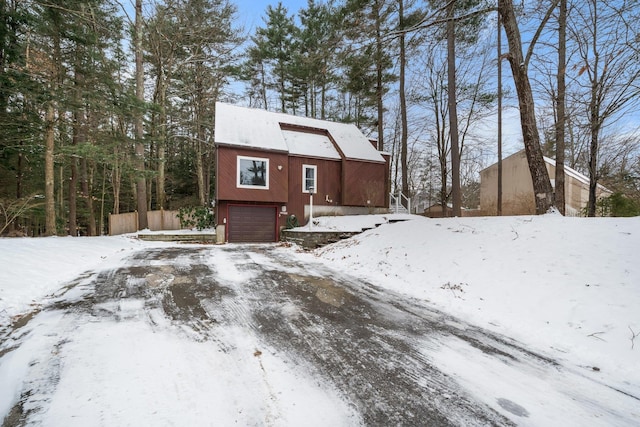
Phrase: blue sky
[250,12]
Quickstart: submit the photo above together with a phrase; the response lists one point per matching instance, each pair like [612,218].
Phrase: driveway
[249,335]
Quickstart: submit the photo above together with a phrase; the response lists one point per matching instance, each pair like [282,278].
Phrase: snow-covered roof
[310,144]
[567,171]
[263,130]
[575,174]
[570,172]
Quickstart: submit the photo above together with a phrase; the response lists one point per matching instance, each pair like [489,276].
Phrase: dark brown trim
[303,129]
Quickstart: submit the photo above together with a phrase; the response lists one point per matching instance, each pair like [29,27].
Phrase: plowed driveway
[246,335]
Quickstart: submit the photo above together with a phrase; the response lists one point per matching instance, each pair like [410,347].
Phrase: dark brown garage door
[252,224]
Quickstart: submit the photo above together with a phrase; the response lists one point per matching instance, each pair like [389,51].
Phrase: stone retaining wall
[314,239]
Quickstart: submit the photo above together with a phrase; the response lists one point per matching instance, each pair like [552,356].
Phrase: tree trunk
[593,148]
[499,199]
[116,181]
[403,105]
[19,172]
[543,193]
[162,143]
[88,199]
[141,186]
[49,196]
[444,193]
[594,119]
[379,75]
[263,87]
[453,113]
[103,193]
[73,184]
[76,138]
[560,106]
[323,91]
[200,133]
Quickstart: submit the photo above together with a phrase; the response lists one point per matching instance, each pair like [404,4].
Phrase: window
[253,172]
[309,178]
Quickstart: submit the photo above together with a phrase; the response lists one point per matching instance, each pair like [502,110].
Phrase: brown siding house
[269,164]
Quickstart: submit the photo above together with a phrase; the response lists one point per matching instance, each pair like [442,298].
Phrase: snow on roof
[310,145]
[250,128]
[575,174]
[260,129]
[567,170]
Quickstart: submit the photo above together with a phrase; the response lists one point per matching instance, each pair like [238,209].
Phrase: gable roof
[263,130]
[567,170]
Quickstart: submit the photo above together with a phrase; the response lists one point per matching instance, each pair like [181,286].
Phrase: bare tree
[499,46]
[456,191]
[474,100]
[141,185]
[560,106]
[403,104]
[608,73]
[10,210]
[543,192]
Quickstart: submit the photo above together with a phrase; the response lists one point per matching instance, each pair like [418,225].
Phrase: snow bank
[32,268]
[568,286]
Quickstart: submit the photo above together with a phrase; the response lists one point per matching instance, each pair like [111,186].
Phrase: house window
[253,172]
[309,178]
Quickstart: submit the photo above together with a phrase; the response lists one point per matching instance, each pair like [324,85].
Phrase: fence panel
[157,220]
[123,223]
[163,220]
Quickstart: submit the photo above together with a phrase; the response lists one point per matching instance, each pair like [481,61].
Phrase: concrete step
[179,237]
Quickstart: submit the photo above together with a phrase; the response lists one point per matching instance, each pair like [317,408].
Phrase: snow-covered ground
[33,268]
[568,288]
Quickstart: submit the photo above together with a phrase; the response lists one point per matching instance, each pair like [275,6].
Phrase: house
[517,187]
[272,167]
[436,210]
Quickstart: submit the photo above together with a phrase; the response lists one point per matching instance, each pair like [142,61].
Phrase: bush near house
[619,205]
[199,217]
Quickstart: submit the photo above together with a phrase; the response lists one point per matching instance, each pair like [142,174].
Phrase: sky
[251,12]
[566,288]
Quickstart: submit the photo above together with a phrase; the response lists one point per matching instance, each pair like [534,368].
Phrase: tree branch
[536,36]
[426,23]
[633,337]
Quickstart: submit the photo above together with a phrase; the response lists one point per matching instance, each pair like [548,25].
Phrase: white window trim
[315,178]
[252,187]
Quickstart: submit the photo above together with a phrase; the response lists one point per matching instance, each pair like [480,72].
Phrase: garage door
[252,224]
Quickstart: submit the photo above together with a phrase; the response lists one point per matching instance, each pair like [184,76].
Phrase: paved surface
[371,345]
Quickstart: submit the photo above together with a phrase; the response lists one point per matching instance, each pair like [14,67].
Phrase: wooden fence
[163,220]
[157,220]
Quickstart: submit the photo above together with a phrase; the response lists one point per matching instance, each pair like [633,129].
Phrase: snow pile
[351,223]
[32,268]
[570,287]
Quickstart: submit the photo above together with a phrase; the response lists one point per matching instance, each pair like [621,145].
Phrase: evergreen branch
[424,23]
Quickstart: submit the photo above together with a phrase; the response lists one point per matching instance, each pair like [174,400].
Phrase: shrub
[618,204]
[199,217]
